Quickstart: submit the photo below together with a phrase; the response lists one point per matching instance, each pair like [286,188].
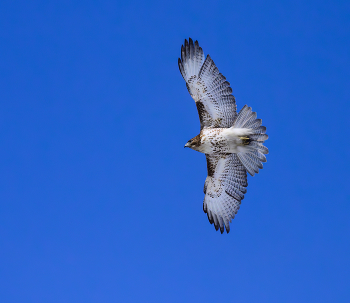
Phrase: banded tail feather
[254,152]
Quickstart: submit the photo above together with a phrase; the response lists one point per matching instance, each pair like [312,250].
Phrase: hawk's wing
[208,87]
[224,189]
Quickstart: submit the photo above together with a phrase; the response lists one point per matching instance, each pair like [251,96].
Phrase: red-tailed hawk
[231,142]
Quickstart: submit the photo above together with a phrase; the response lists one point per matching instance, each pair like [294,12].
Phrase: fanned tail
[254,151]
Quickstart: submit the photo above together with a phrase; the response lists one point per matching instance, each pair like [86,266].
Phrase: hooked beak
[187,145]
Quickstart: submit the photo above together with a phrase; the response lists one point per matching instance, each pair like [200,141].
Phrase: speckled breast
[213,141]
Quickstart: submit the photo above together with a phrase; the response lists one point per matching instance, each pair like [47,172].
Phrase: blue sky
[100,202]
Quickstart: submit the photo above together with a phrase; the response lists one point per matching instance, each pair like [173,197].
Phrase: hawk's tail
[253,151]
[192,58]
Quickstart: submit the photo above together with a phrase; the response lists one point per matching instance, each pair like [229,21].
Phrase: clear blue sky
[100,202]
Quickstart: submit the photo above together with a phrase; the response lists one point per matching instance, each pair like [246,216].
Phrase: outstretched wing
[224,189]
[208,87]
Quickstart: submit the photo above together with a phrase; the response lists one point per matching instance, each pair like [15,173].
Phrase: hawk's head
[194,143]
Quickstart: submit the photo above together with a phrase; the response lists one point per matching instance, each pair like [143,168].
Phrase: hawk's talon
[245,140]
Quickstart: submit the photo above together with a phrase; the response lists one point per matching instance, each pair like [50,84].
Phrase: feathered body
[232,143]
[221,140]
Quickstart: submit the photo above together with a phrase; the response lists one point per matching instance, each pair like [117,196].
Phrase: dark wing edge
[207,86]
[224,189]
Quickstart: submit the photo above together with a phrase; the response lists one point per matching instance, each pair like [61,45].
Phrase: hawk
[232,142]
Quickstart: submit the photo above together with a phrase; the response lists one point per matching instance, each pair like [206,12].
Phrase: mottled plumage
[232,143]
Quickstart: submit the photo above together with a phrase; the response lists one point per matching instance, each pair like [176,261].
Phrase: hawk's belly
[223,140]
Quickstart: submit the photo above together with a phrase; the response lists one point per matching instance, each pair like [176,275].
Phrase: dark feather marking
[211,221]
[232,196]
[210,167]
[202,112]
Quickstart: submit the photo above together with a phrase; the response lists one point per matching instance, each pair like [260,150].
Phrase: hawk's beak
[187,145]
